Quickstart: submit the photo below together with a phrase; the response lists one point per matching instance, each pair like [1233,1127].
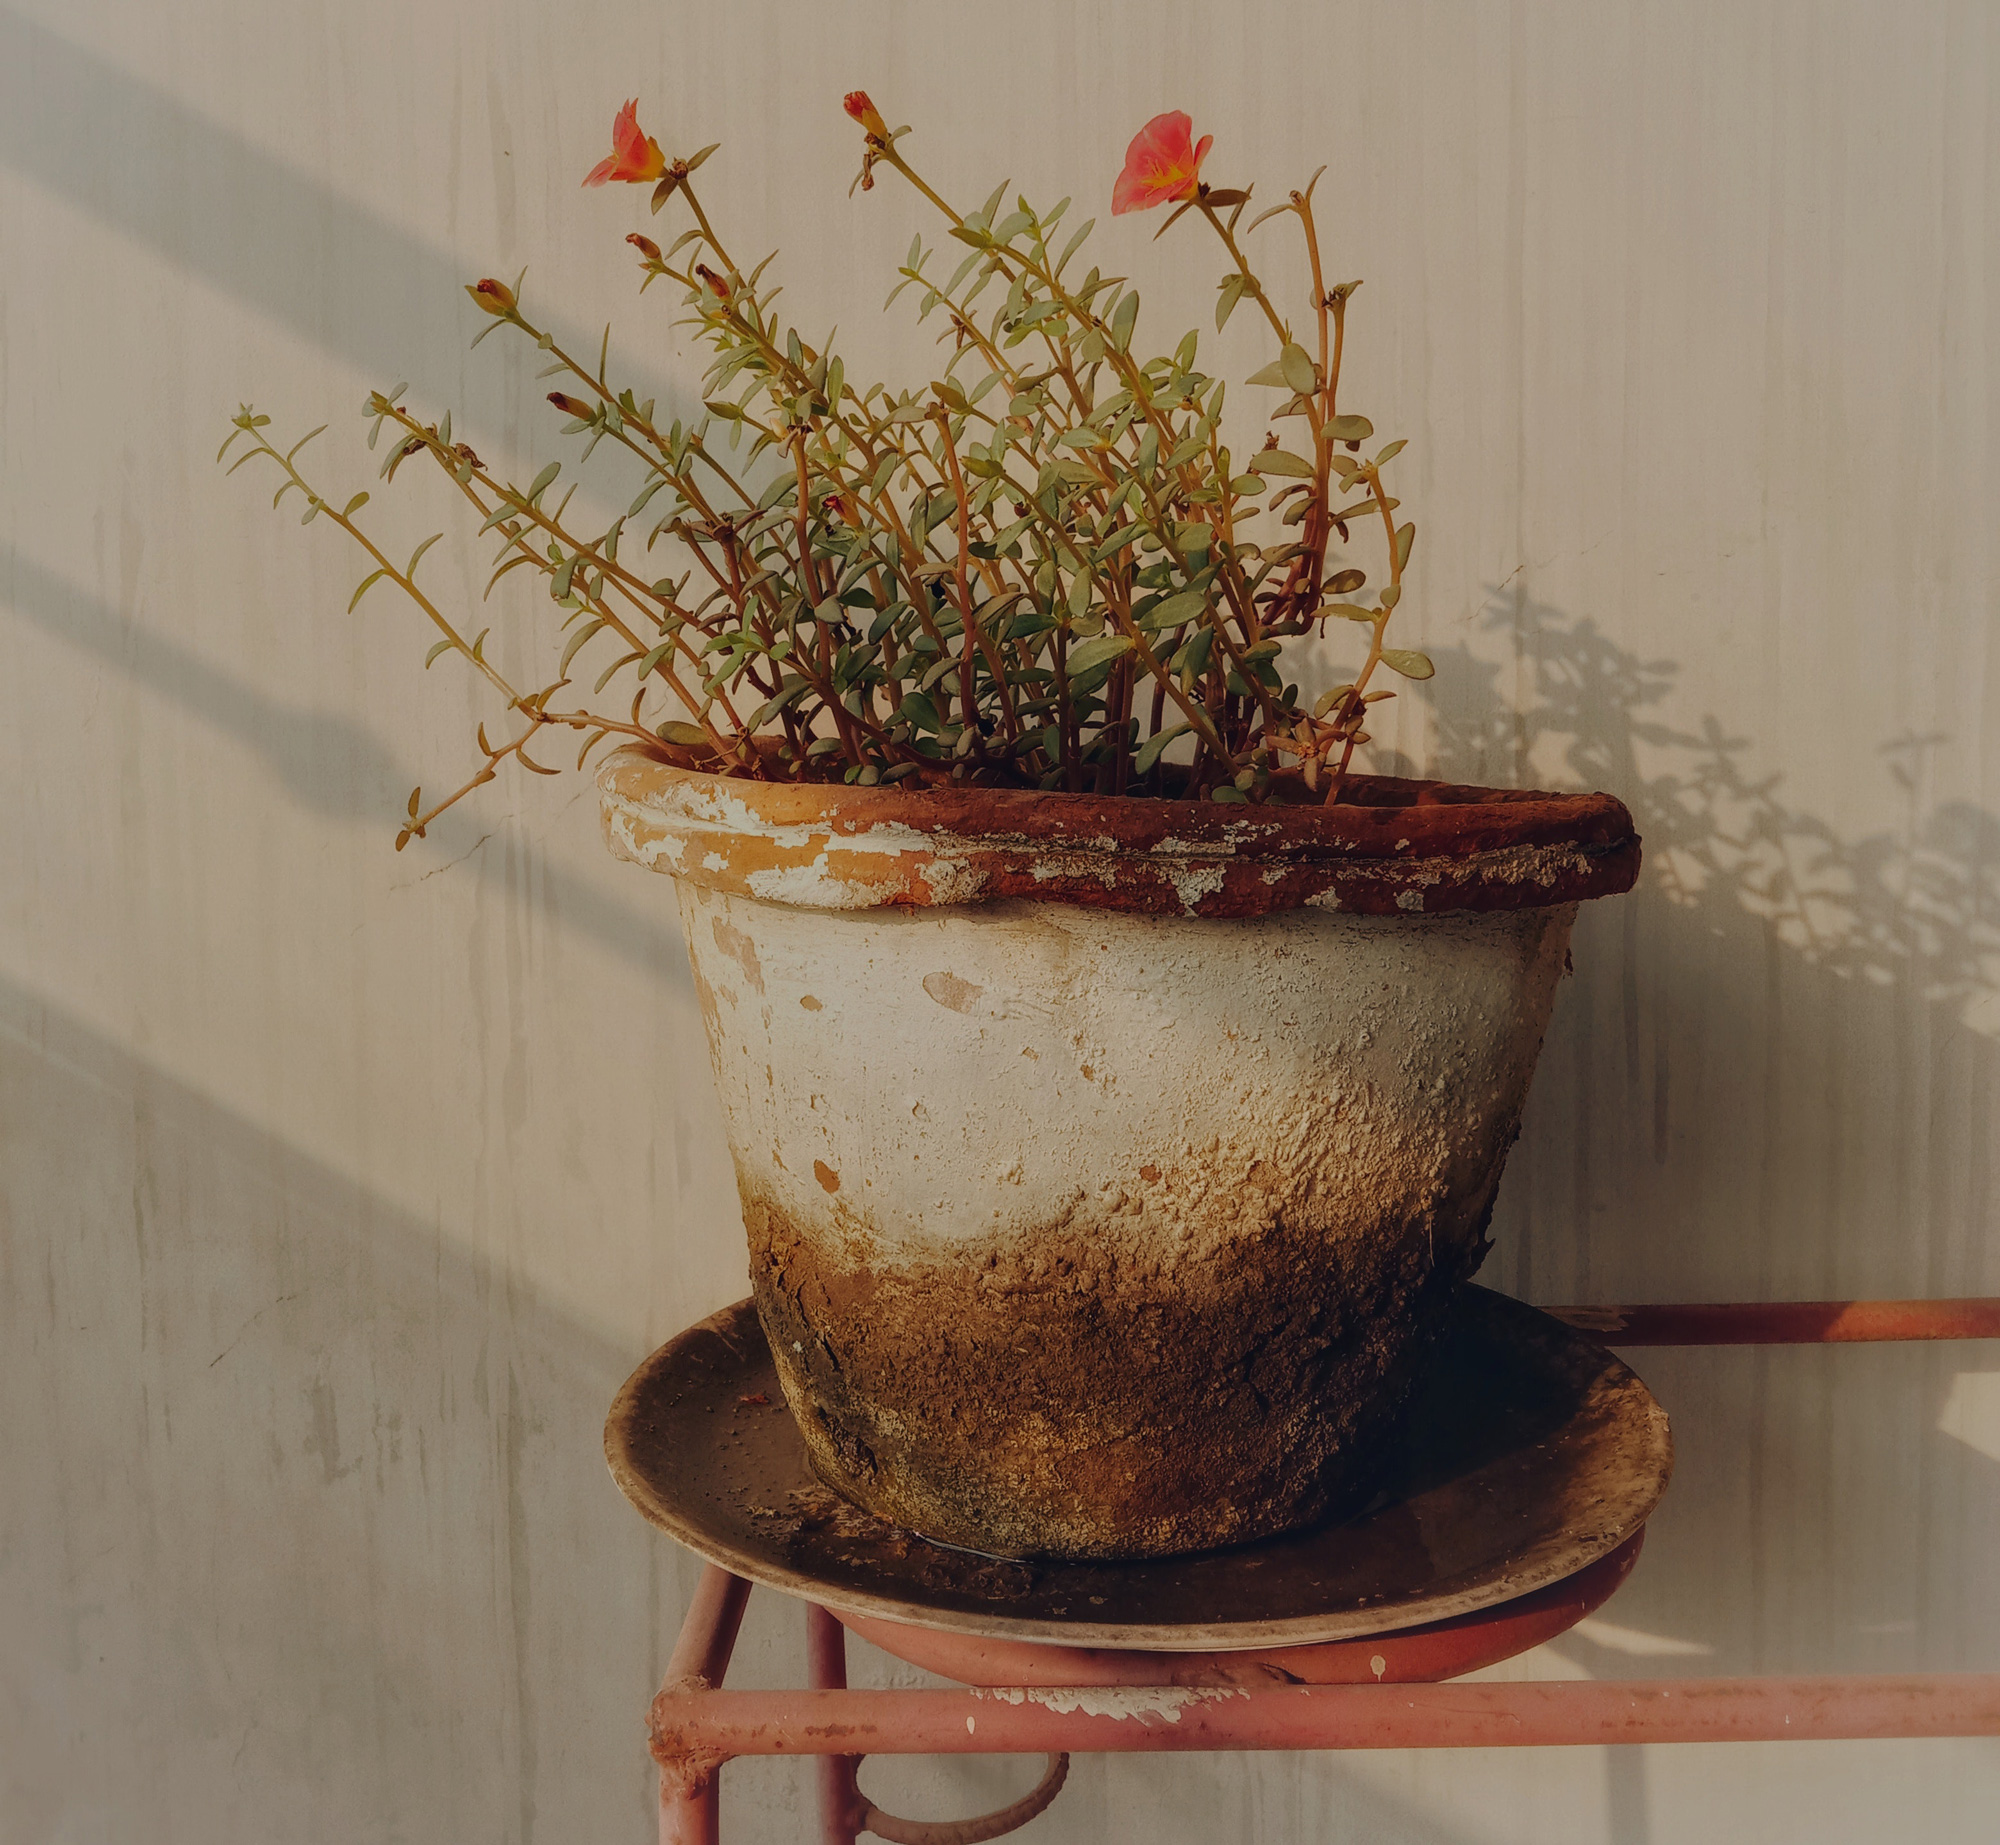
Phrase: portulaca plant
[1042,568]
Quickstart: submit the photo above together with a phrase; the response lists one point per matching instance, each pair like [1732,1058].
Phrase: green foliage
[1040,569]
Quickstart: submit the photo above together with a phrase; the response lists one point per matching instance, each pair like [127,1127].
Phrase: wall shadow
[297,1490]
[307,1532]
[329,763]
[247,222]
[1774,1076]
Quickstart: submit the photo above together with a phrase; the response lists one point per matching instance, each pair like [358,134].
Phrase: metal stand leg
[826,1670]
[845,1812]
[689,1814]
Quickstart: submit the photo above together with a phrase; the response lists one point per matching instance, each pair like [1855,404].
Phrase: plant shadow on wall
[1773,1077]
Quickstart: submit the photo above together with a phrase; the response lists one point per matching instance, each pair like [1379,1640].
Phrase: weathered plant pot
[1106,1163]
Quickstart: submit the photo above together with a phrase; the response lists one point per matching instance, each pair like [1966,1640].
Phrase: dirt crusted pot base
[1083,1397]
[1530,1452]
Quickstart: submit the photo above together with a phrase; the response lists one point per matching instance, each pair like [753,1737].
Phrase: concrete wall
[341,1188]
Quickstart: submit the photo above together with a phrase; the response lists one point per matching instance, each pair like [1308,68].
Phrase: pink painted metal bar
[688,1810]
[1789,1322]
[1452,1716]
[826,1670]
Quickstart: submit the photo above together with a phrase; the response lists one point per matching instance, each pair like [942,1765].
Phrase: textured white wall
[341,1188]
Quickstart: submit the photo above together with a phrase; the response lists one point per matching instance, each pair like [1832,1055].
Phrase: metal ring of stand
[964,1831]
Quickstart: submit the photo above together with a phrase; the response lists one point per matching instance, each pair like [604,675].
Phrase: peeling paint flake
[952,882]
[1138,1702]
[1194,882]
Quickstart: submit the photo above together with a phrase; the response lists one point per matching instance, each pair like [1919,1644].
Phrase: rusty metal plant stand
[1371,1690]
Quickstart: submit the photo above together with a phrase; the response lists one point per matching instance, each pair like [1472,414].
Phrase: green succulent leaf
[1123,318]
[367,583]
[1099,652]
[1187,606]
[1298,369]
[1150,751]
[577,640]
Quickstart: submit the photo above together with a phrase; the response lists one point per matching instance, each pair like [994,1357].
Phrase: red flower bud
[856,103]
[644,245]
[494,297]
[569,406]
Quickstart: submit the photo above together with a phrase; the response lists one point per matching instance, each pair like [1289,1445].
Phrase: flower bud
[569,406]
[644,245]
[856,103]
[494,297]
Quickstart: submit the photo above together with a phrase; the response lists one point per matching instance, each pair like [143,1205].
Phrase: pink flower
[1163,164]
[634,156]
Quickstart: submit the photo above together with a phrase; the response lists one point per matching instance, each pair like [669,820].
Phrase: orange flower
[1162,164]
[634,156]
[856,103]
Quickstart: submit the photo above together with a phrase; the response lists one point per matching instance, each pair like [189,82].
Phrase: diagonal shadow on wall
[307,1531]
[329,763]
[288,1472]
[247,222]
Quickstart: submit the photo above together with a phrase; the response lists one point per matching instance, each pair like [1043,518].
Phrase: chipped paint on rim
[1416,848]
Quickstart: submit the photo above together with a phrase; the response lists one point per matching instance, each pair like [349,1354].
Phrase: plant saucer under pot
[1107,1164]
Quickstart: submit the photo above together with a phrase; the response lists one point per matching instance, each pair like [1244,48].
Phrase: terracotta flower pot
[1106,1163]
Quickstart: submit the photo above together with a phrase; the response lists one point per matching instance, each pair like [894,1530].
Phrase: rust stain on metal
[690,1763]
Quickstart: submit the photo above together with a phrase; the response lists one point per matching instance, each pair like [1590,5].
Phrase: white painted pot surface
[1085,1232]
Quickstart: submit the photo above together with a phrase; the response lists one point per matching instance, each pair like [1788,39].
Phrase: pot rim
[1392,846]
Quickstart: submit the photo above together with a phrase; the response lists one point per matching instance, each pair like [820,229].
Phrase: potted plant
[1118,1081]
